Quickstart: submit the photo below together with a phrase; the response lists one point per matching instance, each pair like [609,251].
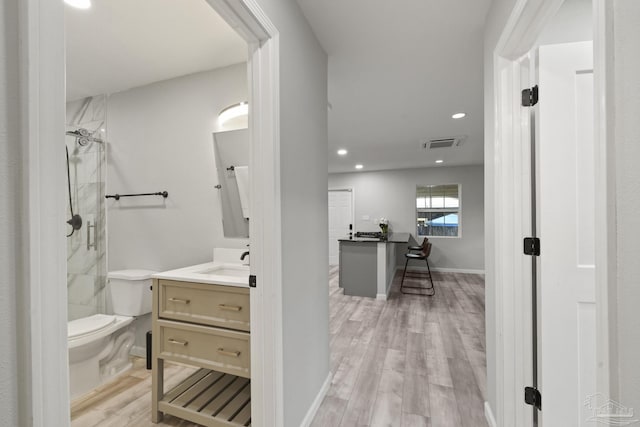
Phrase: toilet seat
[88,325]
[92,328]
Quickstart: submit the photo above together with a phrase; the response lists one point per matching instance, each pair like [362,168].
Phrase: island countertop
[392,238]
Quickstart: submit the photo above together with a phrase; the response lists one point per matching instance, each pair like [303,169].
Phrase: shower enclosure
[86,232]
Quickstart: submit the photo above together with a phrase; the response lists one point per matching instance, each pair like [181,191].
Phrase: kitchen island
[367,265]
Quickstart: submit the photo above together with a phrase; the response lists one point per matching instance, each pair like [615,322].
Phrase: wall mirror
[231,151]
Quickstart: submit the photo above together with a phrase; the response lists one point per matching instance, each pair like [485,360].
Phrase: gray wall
[303,168]
[391,194]
[626,28]
[10,214]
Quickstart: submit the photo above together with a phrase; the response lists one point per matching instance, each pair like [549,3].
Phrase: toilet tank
[130,291]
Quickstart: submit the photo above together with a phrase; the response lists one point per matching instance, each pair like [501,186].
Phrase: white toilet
[99,345]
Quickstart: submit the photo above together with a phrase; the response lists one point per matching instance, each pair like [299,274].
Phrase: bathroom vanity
[201,318]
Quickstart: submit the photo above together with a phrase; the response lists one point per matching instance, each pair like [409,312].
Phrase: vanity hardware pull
[172,341]
[228,353]
[183,301]
[229,307]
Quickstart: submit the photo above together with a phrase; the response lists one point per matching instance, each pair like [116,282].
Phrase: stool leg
[430,277]
[404,273]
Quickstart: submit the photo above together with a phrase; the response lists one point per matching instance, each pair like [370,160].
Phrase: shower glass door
[86,242]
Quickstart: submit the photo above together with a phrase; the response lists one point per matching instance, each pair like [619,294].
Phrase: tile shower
[86,247]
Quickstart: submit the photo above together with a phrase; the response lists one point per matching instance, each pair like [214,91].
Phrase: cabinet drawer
[215,305]
[207,347]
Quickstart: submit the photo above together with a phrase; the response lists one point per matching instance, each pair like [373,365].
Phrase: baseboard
[448,270]
[382,297]
[488,414]
[311,413]
[138,351]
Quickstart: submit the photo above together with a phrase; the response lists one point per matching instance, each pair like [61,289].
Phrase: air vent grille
[448,142]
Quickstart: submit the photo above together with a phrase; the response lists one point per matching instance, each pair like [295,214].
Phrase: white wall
[626,27]
[10,213]
[303,158]
[391,194]
[160,138]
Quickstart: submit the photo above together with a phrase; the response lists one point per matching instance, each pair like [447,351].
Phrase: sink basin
[226,270]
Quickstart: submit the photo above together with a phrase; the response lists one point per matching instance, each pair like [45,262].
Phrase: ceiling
[120,44]
[398,70]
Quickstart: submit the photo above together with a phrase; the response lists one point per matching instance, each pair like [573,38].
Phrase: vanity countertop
[213,273]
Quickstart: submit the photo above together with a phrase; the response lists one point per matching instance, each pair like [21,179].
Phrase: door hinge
[532,246]
[530,97]
[253,281]
[533,397]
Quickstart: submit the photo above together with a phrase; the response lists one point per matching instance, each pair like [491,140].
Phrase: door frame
[42,298]
[513,303]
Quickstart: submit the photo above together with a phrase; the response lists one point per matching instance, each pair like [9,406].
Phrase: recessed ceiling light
[359,166]
[79,4]
[439,161]
[342,152]
[458,115]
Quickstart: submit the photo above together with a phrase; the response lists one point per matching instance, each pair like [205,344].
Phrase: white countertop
[206,273]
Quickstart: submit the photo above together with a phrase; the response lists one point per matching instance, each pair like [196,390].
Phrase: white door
[566,170]
[340,220]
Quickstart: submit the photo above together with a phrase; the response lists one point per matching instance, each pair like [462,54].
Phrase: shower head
[83,136]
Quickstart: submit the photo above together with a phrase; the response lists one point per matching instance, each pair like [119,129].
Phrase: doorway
[561,322]
[44,323]
[340,221]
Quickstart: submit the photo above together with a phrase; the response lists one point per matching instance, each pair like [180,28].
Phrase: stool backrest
[425,242]
[427,250]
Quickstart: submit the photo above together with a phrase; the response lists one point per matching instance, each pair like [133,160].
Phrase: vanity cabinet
[206,326]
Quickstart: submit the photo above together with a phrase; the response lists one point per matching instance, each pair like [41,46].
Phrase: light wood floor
[410,361]
[407,362]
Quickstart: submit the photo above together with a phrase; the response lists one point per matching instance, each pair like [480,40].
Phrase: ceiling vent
[448,142]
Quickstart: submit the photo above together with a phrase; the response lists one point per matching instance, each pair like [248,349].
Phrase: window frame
[458,209]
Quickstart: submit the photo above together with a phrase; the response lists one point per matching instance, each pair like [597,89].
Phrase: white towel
[242,179]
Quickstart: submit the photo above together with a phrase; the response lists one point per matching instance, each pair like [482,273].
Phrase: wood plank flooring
[411,361]
[408,362]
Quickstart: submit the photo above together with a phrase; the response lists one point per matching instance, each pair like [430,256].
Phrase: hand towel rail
[117,196]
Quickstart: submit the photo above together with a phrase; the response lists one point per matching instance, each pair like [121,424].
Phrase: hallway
[410,361]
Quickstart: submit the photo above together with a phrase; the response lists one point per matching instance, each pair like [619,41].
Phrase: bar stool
[423,255]
[420,247]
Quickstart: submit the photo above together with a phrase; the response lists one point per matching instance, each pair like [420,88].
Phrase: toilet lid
[89,325]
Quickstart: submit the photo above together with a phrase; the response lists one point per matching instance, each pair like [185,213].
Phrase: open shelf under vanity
[211,398]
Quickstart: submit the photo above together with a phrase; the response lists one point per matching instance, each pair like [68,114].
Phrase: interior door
[566,170]
[340,220]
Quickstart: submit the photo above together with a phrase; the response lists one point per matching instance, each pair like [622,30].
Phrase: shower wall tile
[83,290]
[76,311]
[88,113]
[86,268]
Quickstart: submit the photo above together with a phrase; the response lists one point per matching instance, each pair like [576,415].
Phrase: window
[438,210]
